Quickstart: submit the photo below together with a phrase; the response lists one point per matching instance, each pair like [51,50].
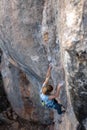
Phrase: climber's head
[47,89]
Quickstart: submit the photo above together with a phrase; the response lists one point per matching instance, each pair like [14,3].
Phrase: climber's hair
[47,89]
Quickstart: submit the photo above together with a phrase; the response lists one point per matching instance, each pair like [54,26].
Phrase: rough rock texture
[74,50]
[33,34]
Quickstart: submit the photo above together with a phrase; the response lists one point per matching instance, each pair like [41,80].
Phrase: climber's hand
[50,65]
[62,83]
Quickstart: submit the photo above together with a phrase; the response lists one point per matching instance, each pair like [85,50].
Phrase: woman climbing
[47,97]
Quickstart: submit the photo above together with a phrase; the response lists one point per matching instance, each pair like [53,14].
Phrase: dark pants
[56,106]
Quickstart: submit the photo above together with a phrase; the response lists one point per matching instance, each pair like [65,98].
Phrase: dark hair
[49,89]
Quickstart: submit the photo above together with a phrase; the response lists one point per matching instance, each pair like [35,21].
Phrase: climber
[47,98]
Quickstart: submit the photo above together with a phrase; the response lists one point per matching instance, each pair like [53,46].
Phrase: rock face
[74,50]
[33,34]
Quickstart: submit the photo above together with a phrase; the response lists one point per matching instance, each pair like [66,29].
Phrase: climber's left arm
[55,95]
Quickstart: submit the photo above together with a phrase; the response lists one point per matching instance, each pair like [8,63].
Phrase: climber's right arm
[47,76]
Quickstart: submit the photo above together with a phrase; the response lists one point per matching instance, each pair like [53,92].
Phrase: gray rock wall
[35,33]
[74,51]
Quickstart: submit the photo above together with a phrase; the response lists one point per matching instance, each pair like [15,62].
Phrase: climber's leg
[57,106]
